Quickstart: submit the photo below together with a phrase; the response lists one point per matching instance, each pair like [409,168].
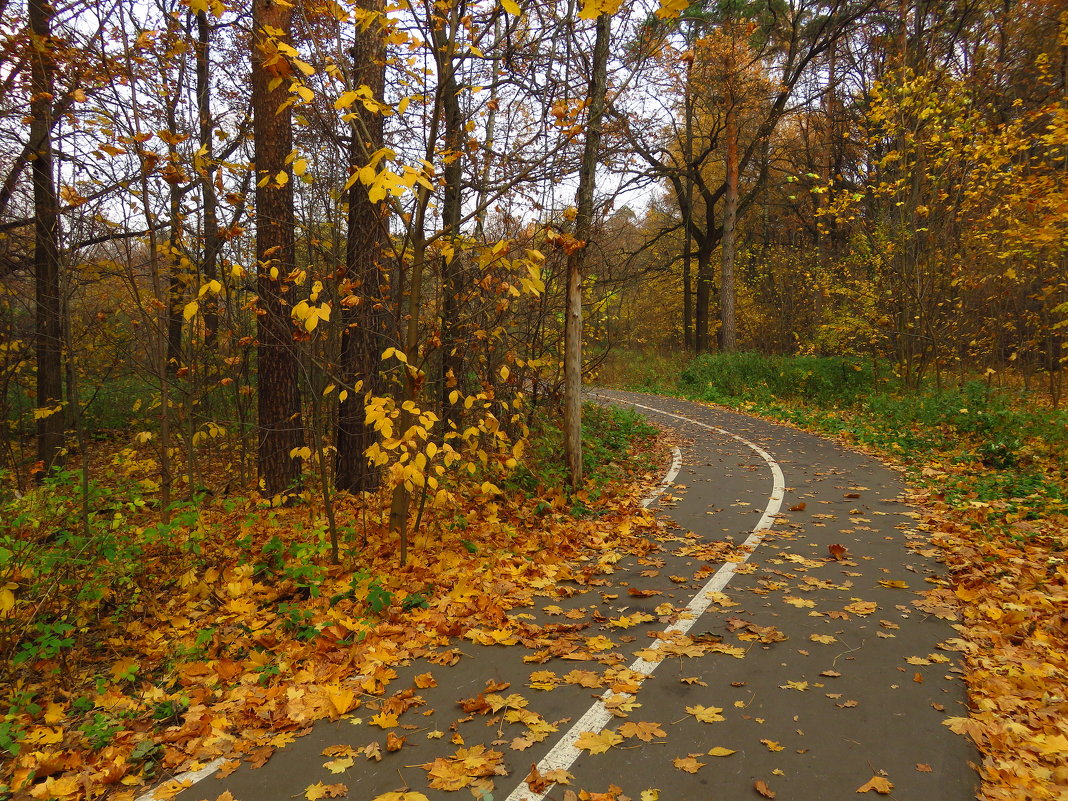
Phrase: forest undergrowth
[137,650]
[988,470]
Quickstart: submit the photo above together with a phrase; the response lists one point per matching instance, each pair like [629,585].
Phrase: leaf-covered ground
[238,643]
[240,656]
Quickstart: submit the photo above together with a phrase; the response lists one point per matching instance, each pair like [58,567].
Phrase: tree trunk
[451,266]
[278,402]
[687,216]
[727,292]
[46,263]
[212,241]
[577,258]
[702,305]
[363,324]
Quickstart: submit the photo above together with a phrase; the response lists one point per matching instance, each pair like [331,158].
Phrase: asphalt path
[814,674]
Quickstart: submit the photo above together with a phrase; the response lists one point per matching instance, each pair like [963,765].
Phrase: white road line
[563,755]
[191,776]
[669,478]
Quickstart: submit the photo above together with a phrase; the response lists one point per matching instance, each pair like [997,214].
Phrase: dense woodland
[352,254]
[256,223]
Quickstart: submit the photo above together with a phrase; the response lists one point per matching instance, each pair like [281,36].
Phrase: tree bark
[703,299]
[577,258]
[278,401]
[363,324]
[445,38]
[727,291]
[46,261]
[212,241]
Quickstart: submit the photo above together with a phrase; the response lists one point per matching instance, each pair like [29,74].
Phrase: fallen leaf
[706,714]
[320,790]
[879,784]
[340,765]
[425,680]
[837,552]
[762,788]
[642,730]
[598,743]
[772,745]
[720,751]
[688,764]
[862,607]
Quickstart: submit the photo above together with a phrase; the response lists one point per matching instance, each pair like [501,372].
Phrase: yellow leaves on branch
[592,9]
[309,315]
[670,9]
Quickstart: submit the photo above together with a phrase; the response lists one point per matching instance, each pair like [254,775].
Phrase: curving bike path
[825,673]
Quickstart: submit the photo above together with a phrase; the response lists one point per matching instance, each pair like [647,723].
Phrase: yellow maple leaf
[340,765]
[60,787]
[401,796]
[598,743]
[642,730]
[319,790]
[879,784]
[341,700]
[384,720]
[706,714]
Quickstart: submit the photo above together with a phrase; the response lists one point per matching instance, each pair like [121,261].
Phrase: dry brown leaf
[688,764]
[761,787]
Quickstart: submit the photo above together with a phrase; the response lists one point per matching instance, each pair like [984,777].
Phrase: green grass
[608,436]
[997,447]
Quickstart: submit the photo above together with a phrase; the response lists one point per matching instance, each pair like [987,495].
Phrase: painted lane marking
[564,754]
[191,776]
[669,478]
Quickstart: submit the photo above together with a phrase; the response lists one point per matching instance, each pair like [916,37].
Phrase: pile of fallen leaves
[1011,581]
[224,658]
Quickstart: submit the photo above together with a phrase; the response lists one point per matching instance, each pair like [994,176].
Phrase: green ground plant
[997,447]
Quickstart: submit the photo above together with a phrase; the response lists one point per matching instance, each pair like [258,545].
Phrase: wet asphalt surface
[829,674]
